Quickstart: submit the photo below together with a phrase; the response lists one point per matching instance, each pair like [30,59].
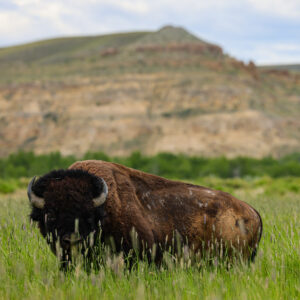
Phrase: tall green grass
[28,270]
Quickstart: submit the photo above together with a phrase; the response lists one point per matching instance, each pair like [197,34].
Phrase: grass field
[28,270]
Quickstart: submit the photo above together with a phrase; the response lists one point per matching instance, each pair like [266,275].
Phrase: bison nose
[71,240]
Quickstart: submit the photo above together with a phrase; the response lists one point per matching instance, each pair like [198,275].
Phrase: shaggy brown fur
[155,207]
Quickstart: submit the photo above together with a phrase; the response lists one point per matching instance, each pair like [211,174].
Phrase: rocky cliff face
[153,92]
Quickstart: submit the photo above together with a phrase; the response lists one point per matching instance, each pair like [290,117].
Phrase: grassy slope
[28,270]
[59,48]
[60,58]
[54,50]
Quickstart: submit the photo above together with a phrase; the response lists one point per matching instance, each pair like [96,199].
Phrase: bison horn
[33,198]
[101,199]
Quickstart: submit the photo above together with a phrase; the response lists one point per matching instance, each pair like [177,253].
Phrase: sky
[264,31]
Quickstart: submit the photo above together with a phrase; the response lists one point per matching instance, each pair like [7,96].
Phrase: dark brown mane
[57,175]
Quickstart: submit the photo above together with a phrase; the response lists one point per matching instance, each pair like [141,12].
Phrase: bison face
[68,207]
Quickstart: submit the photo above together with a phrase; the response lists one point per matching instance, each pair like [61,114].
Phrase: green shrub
[180,166]
[8,186]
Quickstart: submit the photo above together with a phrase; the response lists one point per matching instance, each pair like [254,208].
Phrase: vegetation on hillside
[27,164]
[205,171]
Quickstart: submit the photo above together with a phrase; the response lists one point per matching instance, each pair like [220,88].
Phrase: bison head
[68,207]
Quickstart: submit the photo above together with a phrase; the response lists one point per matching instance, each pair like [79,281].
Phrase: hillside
[149,91]
[288,68]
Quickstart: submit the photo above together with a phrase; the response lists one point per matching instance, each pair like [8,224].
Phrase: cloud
[15,27]
[134,6]
[282,8]
[264,53]
[13,19]
[276,53]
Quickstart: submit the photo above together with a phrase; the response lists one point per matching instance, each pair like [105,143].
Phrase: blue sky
[265,31]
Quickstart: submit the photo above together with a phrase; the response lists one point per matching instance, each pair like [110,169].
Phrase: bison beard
[95,202]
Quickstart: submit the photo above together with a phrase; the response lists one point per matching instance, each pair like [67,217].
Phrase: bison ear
[102,197]
[33,198]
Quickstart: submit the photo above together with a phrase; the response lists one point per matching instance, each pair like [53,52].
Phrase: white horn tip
[102,197]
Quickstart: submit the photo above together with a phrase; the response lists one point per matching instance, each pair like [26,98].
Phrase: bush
[8,186]
[27,164]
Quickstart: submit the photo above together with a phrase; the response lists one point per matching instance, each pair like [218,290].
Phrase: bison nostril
[66,239]
[71,240]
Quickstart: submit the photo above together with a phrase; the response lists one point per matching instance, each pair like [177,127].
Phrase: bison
[95,202]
